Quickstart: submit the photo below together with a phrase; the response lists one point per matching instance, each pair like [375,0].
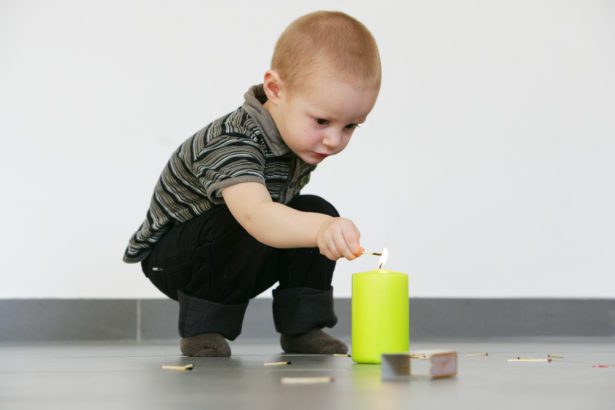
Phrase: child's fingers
[342,246]
[325,251]
[352,240]
[325,248]
[328,255]
[333,249]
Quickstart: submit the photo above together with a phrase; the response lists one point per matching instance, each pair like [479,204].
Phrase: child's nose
[332,139]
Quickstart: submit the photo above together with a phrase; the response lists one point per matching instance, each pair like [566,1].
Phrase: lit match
[383,258]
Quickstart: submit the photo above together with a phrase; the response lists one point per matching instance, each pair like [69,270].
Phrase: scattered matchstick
[601,366]
[178,367]
[341,355]
[552,356]
[277,363]
[529,359]
[477,354]
[307,380]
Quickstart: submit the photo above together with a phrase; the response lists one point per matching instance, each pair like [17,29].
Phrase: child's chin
[312,159]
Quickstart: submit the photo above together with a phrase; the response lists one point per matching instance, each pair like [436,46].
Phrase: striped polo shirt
[243,146]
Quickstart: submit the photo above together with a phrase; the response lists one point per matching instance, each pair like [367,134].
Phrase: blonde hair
[327,41]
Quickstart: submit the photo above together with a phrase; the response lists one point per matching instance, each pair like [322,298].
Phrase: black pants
[213,267]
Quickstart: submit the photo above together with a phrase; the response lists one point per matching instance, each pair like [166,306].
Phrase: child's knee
[313,203]
[219,223]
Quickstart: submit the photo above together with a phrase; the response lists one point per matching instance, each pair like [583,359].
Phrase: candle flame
[383,258]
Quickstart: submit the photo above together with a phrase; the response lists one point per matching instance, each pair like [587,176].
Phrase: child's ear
[273,86]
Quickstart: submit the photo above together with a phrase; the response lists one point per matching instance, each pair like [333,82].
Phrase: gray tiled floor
[128,375]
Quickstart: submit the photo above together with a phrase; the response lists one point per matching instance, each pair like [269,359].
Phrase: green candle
[380,315]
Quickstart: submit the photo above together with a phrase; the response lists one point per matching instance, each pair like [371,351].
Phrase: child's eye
[322,121]
[352,126]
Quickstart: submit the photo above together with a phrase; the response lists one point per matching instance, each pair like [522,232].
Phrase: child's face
[318,122]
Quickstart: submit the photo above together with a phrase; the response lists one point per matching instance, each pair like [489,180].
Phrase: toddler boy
[227,221]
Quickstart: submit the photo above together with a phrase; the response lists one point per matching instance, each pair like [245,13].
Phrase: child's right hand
[339,238]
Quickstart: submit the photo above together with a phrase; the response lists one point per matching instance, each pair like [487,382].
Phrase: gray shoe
[206,345]
[313,342]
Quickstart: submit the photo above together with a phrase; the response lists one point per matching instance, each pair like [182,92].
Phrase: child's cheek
[316,137]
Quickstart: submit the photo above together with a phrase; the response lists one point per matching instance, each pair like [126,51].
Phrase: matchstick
[178,367]
[529,359]
[277,363]
[307,380]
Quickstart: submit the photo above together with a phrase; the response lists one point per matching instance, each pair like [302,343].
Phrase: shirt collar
[255,97]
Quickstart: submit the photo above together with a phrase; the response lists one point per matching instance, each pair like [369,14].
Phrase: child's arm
[280,226]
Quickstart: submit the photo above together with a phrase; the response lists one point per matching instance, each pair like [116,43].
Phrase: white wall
[486,167]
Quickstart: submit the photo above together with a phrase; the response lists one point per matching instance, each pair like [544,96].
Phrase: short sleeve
[227,161]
